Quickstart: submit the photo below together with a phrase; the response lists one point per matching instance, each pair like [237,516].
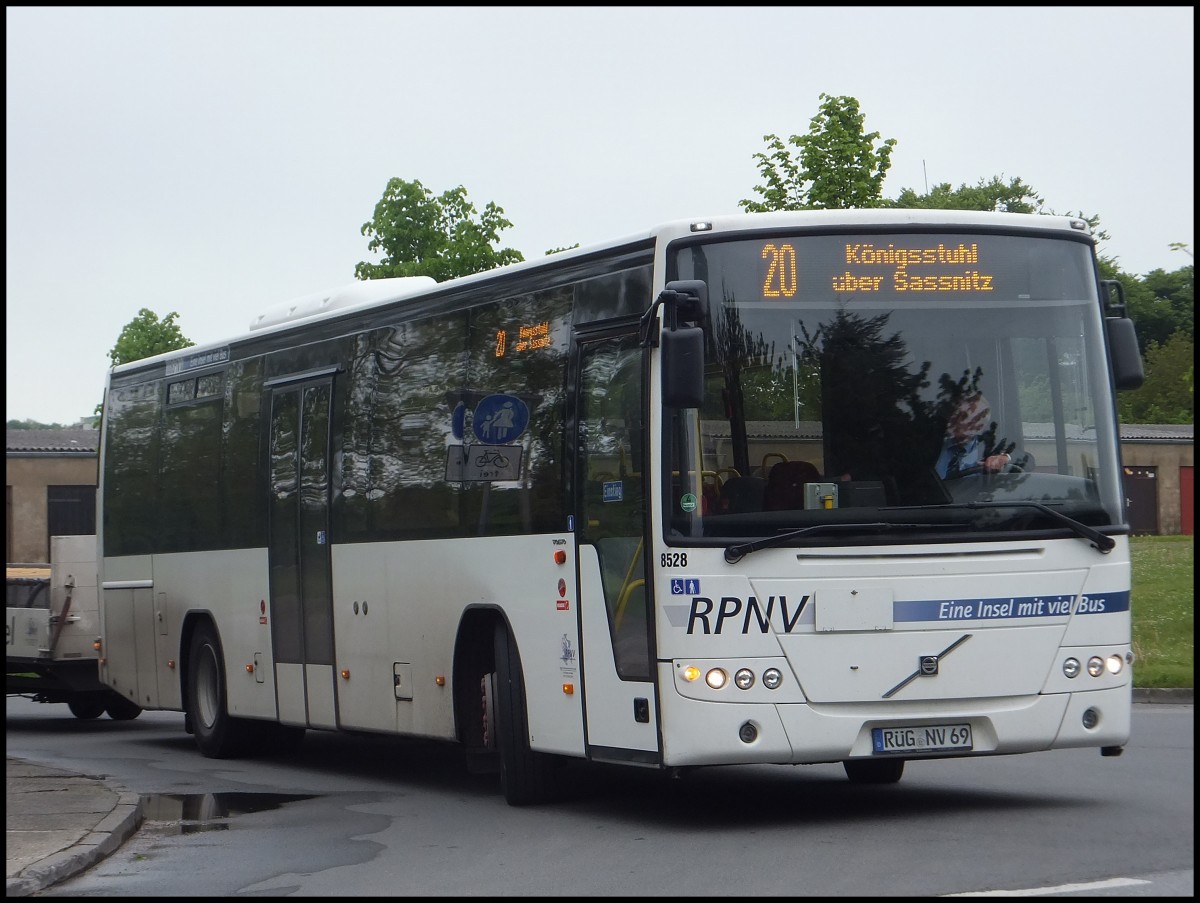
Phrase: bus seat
[785,485]
[740,495]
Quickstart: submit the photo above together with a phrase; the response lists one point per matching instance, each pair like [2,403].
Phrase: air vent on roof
[370,291]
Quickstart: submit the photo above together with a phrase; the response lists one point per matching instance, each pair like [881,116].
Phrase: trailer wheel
[218,735]
[525,776]
[874,771]
[86,707]
[121,709]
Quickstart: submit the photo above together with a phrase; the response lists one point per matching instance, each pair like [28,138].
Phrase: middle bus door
[300,569]
[610,524]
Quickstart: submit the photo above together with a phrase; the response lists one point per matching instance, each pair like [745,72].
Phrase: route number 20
[781,271]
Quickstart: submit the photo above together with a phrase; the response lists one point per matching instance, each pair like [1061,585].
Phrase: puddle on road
[192,813]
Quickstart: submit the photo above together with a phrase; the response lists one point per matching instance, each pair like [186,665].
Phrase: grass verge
[1163,619]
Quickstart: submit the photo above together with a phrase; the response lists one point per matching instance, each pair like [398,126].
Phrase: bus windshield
[882,385]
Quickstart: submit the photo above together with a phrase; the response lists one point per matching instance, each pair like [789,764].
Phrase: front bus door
[301,596]
[610,525]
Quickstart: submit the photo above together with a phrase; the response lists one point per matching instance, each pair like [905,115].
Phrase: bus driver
[963,448]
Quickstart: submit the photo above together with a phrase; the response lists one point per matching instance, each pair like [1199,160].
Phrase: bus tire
[218,735]
[874,771]
[121,709]
[86,707]
[525,776]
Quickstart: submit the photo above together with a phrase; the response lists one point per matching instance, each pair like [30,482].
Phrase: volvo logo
[927,666]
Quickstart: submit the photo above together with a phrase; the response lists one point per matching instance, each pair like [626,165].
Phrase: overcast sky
[217,161]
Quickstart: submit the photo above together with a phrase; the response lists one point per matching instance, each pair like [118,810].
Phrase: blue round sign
[500,419]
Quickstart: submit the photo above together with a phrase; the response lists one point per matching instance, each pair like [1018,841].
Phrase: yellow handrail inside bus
[628,586]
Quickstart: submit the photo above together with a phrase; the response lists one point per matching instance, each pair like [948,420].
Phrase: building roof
[52,442]
[1158,432]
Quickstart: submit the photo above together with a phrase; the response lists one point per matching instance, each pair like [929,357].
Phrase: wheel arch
[191,622]
[474,657]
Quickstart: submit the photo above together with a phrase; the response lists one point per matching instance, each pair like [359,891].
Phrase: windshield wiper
[740,550]
[1101,541]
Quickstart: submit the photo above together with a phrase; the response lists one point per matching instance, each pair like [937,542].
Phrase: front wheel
[525,776]
[874,771]
[219,735]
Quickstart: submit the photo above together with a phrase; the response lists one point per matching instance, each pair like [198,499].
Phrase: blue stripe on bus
[1009,607]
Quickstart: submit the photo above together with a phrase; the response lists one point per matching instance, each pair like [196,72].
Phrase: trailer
[52,632]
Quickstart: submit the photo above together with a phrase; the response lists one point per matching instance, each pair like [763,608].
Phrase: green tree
[1168,394]
[443,236]
[835,165]
[1013,196]
[32,425]
[145,336]
[1161,303]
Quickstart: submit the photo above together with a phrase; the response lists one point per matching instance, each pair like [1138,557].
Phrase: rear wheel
[218,735]
[525,776]
[86,707]
[874,771]
[121,709]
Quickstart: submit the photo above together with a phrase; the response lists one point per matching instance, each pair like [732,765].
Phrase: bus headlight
[1114,663]
[1071,667]
[716,678]
[772,678]
[1095,666]
[744,679]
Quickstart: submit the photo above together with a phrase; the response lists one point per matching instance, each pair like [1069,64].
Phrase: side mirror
[683,367]
[1121,336]
[1124,353]
[682,347]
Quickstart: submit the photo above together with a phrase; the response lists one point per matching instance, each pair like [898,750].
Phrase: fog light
[1071,667]
[716,678]
[772,678]
[744,679]
[1090,718]
[1114,664]
[748,733]
[1095,666]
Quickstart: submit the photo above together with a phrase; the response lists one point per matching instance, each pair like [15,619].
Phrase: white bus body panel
[397,611]
[1000,631]
[146,600]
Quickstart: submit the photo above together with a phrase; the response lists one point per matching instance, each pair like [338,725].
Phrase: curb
[112,831]
[1175,695]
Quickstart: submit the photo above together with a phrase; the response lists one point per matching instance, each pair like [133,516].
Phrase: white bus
[668,501]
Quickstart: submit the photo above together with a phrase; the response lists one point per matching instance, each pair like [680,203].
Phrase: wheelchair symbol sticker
[685,586]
